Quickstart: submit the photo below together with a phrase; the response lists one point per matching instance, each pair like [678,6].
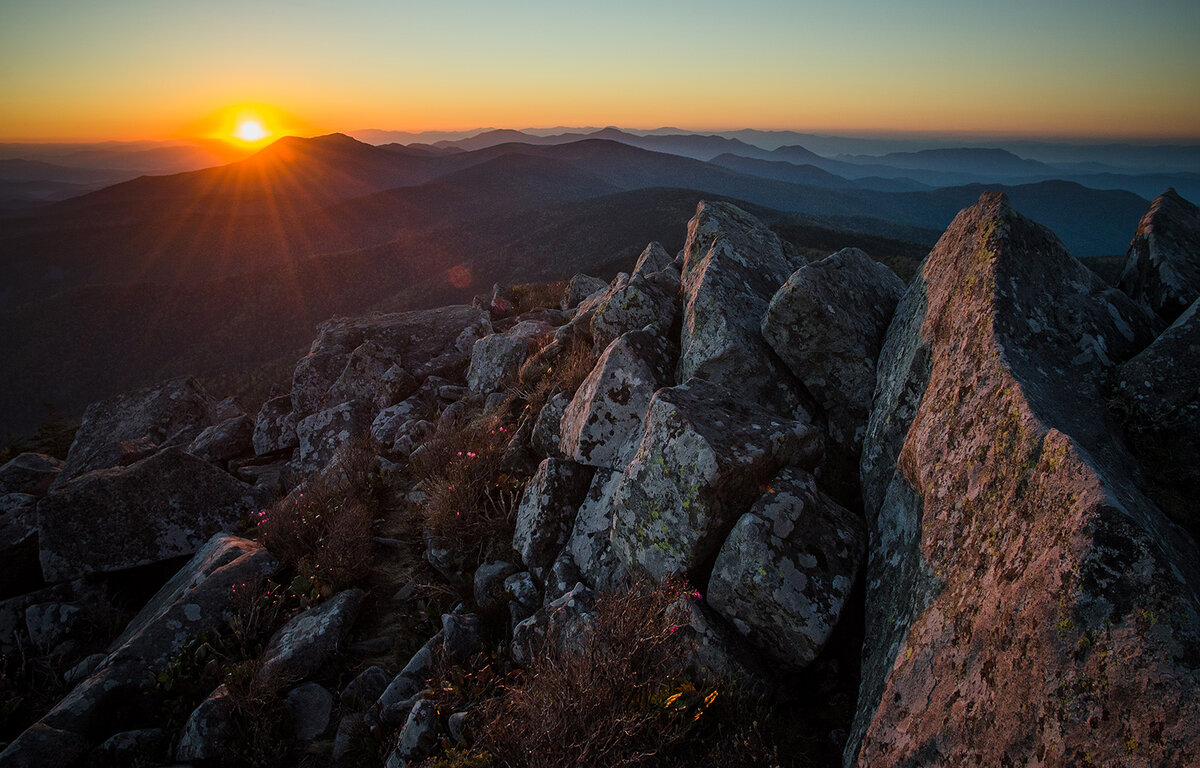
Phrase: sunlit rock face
[1162,270]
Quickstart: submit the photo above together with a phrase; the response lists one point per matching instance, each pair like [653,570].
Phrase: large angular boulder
[496,360]
[209,731]
[1158,394]
[653,258]
[275,426]
[1162,269]
[589,545]
[321,434]
[30,473]
[547,428]
[603,423]
[20,570]
[1028,604]
[130,426]
[733,265]
[221,442]
[631,304]
[705,455]
[303,645]
[547,512]
[579,288]
[373,376]
[159,508]
[786,570]
[827,324]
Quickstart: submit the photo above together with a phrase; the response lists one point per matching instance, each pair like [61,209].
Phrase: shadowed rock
[547,511]
[1027,603]
[1162,270]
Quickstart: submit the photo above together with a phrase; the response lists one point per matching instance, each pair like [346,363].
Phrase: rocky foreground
[958,517]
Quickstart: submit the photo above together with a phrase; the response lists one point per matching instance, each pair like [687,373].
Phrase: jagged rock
[653,259]
[566,621]
[30,473]
[579,288]
[547,429]
[386,427]
[603,423]
[209,730]
[463,635]
[632,304]
[310,705]
[49,624]
[229,408]
[589,544]
[161,507]
[364,689]
[420,733]
[145,746]
[1022,591]
[704,456]
[373,378]
[496,361]
[409,682]
[83,669]
[495,401]
[522,594]
[303,645]
[130,425]
[785,572]
[456,725]
[1159,394]
[41,745]
[12,610]
[538,331]
[275,426]
[351,729]
[452,418]
[20,570]
[827,324]
[547,512]
[1162,269]
[489,583]
[713,654]
[324,432]
[562,575]
[221,442]
[733,265]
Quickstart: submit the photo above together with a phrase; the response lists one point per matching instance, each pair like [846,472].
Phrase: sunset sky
[130,69]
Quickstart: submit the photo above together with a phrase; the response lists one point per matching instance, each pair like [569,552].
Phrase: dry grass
[563,373]
[528,296]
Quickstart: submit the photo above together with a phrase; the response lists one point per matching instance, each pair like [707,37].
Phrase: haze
[149,70]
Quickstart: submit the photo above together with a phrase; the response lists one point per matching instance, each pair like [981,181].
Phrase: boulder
[409,682]
[1158,396]
[603,423]
[654,258]
[307,642]
[1162,269]
[547,429]
[161,507]
[124,428]
[144,746]
[221,442]
[323,433]
[51,623]
[579,288]
[364,689]
[1028,604]
[462,635]
[786,570]
[20,570]
[589,544]
[209,730]
[522,593]
[372,378]
[632,304]
[565,621]
[275,426]
[41,745]
[489,583]
[733,265]
[30,473]
[310,705]
[704,456]
[495,362]
[827,324]
[420,733]
[547,512]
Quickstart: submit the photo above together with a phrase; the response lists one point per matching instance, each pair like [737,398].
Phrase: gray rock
[589,544]
[603,423]
[161,507]
[495,401]
[350,732]
[579,288]
[452,418]
[221,442]
[83,669]
[307,642]
[733,265]
[372,378]
[310,705]
[561,577]
[364,689]
[495,362]
[275,426]
[547,512]
[786,570]
[547,429]
[40,746]
[51,623]
[631,305]
[387,424]
[523,597]
[30,473]
[714,654]
[420,733]
[827,324]
[456,724]
[324,432]
[463,635]
[564,622]
[129,426]
[229,408]
[1162,269]
[704,456]
[1020,584]
[489,583]
[20,570]
[146,746]
[209,730]
[409,682]
[654,258]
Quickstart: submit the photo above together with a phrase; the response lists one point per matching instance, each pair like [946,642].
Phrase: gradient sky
[126,69]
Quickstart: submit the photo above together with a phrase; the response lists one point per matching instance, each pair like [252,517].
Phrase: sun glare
[250,131]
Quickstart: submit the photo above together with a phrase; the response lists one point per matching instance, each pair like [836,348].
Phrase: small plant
[528,296]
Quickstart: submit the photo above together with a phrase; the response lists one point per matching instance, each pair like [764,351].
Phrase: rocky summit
[734,506]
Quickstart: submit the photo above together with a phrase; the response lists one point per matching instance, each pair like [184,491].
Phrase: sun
[250,130]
